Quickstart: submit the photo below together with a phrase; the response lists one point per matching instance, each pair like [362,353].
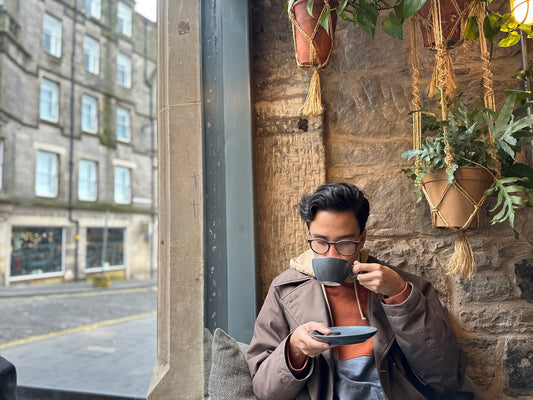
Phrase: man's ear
[362,239]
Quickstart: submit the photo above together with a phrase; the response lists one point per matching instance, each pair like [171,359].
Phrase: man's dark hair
[337,197]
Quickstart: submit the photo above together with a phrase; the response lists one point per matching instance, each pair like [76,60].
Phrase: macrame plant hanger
[313,102]
[462,261]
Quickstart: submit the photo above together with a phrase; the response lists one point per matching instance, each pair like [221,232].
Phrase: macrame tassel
[446,68]
[313,102]
[462,262]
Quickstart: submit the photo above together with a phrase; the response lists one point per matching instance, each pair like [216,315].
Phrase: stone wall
[366,91]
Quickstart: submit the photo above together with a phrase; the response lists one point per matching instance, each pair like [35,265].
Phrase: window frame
[51,174]
[52,27]
[95,8]
[54,88]
[91,55]
[93,114]
[88,180]
[124,127]
[2,152]
[124,66]
[121,185]
[124,19]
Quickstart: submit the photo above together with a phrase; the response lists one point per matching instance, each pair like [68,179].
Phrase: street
[96,341]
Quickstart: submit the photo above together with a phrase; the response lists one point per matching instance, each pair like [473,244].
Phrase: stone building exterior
[77,141]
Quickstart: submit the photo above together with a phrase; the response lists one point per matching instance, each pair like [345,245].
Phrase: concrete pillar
[179,369]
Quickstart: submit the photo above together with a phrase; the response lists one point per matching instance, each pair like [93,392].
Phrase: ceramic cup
[331,271]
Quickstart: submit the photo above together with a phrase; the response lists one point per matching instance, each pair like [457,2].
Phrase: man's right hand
[303,345]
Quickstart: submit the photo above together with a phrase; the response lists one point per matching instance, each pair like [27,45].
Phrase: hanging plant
[512,24]
[453,19]
[313,25]
[474,140]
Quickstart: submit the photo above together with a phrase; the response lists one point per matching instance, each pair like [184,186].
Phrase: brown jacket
[415,348]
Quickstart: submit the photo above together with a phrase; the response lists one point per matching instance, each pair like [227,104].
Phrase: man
[414,354]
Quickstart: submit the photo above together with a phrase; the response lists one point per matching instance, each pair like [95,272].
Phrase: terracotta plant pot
[453,22]
[322,42]
[455,207]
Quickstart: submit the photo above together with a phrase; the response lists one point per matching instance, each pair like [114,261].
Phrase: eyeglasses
[343,247]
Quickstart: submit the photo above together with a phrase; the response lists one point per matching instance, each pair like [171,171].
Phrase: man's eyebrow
[318,236]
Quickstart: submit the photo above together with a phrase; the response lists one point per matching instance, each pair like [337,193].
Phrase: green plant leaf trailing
[364,14]
[467,133]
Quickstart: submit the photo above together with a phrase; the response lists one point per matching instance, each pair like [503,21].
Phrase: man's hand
[303,345]
[378,278]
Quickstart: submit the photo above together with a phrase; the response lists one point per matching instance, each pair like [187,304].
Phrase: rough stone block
[497,318]
[480,353]
[518,367]
[485,287]
[524,278]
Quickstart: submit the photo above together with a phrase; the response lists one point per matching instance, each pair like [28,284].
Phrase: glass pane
[105,247]
[36,250]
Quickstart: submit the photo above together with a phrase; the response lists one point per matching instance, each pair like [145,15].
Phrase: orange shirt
[345,312]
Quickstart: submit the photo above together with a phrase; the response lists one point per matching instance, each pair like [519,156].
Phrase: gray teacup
[331,271]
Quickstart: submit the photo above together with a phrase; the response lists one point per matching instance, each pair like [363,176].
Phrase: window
[46,174]
[123,70]
[87,180]
[91,55]
[105,248]
[123,125]
[93,8]
[49,101]
[89,114]
[36,250]
[124,16]
[52,35]
[1,163]
[122,185]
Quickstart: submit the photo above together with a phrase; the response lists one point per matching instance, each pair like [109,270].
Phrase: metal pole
[523,45]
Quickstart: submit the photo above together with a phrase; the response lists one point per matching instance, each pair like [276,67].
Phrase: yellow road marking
[94,293]
[86,328]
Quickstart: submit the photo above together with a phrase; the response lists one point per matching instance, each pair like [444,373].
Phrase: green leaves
[393,26]
[410,7]
[510,196]
[364,13]
[367,16]
[471,29]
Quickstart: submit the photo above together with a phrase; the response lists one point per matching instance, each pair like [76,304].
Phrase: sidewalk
[70,287]
[108,360]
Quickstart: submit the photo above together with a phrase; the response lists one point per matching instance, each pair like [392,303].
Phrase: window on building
[52,35]
[46,174]
[123,125]
[123,70]
[91,55]
[93,8]
[87,180]
[1,163]
[36,250]
[89,114]
[105,248]
[122,185]
[49,100]
[124,15]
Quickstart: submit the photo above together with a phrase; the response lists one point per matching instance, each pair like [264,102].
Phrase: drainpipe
[152,150]
[71,150]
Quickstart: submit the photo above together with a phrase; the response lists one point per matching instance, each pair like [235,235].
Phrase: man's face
[335,226]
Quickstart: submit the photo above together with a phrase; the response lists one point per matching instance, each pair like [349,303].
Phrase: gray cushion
[230,377]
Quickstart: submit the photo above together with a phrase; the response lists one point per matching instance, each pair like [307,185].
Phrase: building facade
[77,140]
